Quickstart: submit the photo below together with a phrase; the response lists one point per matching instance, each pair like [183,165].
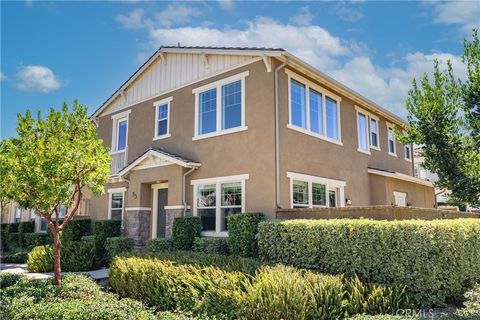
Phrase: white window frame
[409,153]
[394,153]
[367,131]
[117,118]
[218,181]
[218,85]
[112,191]
[329,185]
[311,85]
[369,117]
[377,120]
[157,105]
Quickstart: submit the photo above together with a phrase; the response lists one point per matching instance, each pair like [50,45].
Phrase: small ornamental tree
[52,162]
[444,117]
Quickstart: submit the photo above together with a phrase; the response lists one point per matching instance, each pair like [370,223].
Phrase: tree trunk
[56,257]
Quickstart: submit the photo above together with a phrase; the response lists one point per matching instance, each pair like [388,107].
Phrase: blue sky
[60,51]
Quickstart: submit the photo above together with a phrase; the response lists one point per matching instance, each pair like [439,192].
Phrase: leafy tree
[444,117]
[52,162]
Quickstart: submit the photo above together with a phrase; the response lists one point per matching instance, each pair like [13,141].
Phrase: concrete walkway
[21,269]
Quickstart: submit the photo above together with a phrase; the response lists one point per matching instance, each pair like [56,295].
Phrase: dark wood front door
[161,217]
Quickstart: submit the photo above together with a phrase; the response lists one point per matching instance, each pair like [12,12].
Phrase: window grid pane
[162,127]
[300,193]
[208,111]
[316,112]
[319,194]
[332,198]
[391,141]
[298,105]
[232,194]
[117,200]
[362,132]
[122,135]
[332,118]
[206,196]
[373,133]
[232,105]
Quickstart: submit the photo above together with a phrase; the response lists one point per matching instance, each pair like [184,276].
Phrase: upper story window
[220,107]
[162,118]
[367,131]
[313,110]
[392,148]
[216,199]
[408,152]
[120,131]
[311,191]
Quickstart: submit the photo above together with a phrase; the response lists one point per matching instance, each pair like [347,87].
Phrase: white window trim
[157,105]
[329,183]
[367,130]
[117,118]
[394,153]
[324,92]
[218,181]
[112,191]
[369,117]
[218,85]
[377,120]
[405,152]
[155,188]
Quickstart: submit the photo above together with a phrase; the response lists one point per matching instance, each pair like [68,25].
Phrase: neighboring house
[218,131]
[424,174]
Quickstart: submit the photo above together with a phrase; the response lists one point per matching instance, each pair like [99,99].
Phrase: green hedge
[185,230]
[242,230]
[117,245]
[211,245]
[14,257]
[102,230]
[13,227]
[76,256]
[435,260]
[76,229]
[26,227]
[274,293]
[160,244]
[31,240]
[15,240]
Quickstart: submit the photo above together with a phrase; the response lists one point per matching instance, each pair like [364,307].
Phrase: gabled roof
[169,157]
[279,53]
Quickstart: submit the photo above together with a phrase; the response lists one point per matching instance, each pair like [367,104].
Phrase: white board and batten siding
[177,70]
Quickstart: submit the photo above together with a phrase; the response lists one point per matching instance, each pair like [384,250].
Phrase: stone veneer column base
[137,227]
[171,214]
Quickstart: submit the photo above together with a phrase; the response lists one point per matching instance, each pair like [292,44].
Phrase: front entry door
[162,200]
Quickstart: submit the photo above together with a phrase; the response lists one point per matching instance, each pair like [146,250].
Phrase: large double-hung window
[311,191]
[220,107]
[367,131]
[313,110]
[217,198]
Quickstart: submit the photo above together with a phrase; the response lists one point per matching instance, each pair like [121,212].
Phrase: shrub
[76,229]
[185,230]
[104,229]
[435,260]
[9,279]
[160,244]
[15,240]
[15,257]
[40,259]
[242,230]
[90,238]
[211,245]
[31,240]
[117,245]
[13,227]
[26,227]
[472,303]
[76,256]
[78,298]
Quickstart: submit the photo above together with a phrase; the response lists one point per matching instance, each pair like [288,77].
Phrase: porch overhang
[399,176]
[153,158]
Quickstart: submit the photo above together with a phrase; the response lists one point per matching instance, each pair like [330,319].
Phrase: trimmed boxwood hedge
[160,244]
[211,245]
[242,230]
[185,230]
[31,240]
[76,229]
[102,230]
[117,245]
[435,260]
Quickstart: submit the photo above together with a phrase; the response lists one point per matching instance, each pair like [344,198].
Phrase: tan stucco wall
[305,154]
[252,151]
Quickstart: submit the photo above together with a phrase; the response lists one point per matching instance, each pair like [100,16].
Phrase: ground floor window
[116,203]
[43,225]
[18,214]
[217,198]
[311,191]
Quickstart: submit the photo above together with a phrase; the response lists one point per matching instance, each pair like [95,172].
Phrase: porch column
[137,225]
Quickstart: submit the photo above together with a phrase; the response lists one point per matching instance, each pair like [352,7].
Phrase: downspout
[277,137]
[184,189]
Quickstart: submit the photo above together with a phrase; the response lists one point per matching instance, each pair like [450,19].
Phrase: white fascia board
[400,176]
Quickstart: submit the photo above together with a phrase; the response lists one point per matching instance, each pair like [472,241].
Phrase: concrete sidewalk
[21,269]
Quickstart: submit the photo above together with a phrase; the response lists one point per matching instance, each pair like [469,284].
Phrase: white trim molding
[390,128]
[155,188]
[400,176]
[138,209]
[330,185]
[176,207]
[218,86]
[110,192]
[218,181]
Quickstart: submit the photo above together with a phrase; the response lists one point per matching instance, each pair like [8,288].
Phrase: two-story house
[218,131]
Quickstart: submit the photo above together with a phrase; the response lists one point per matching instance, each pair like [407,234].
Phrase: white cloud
[134,20]
[227,4]
[2,76]
[36,78]
[466,14]
[346,12]
[303,18]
